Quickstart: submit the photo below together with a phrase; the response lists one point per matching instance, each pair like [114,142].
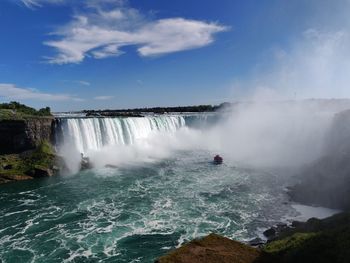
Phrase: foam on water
[163,192]
[136,213]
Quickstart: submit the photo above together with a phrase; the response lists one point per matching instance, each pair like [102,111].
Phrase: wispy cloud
[104,97]
[34,4]
[12,92]
[80,82]
[100,32]
[83,82]
[39,3]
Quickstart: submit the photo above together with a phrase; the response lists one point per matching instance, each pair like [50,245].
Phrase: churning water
[138,211]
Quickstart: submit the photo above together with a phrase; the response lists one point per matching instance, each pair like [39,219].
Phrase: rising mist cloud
[313,63]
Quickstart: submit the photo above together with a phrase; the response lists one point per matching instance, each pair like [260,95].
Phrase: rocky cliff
[26,151]
[24,134]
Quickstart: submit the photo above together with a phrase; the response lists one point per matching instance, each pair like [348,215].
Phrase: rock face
[21,135]
[326,182]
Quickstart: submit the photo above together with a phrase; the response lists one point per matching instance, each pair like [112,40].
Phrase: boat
[218,159]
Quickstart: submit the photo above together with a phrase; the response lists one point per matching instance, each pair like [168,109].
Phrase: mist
[255,134]
[275,124]
[313,62]
[273,134]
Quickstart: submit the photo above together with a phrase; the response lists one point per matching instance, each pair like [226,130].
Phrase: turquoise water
[136,213]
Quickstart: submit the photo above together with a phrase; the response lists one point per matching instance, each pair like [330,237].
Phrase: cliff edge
[26,151]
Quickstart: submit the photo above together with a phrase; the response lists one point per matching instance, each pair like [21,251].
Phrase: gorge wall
[326,182]
[24,134]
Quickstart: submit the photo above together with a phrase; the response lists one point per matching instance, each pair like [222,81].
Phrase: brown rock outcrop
[214,248]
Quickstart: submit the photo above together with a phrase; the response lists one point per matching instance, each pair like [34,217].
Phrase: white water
[259,135]
[90,134]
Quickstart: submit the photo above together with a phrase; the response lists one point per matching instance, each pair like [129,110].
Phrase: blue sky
[98,54]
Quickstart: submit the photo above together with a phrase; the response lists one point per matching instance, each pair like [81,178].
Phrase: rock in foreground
[317,240]
[214,248]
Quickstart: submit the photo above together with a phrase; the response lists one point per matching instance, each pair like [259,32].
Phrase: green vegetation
[15,110]
[157,110]
[321,241]
[323,247]
[42,157]
[289,243]
[26,165]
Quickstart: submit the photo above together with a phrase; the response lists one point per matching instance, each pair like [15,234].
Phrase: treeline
[19,108]
[160,110]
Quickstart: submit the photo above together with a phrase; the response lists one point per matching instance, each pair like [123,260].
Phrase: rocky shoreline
[316,240]
[39,162]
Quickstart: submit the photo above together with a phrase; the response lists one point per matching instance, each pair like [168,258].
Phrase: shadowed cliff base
[23,128]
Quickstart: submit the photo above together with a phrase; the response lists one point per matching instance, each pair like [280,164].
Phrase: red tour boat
[218,159]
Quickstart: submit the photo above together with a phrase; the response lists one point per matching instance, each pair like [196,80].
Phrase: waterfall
[94,133]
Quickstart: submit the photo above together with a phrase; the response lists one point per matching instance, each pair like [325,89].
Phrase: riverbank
[30,164]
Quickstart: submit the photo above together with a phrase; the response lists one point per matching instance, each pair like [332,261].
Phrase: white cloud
[80,82]
[84,82]
[175,34]
[90,3]
[101,33]
[39,3]
[12,92]
[104,97]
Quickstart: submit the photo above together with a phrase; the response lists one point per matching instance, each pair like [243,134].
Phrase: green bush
[16,108]
[42,156]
